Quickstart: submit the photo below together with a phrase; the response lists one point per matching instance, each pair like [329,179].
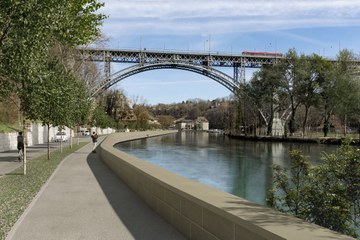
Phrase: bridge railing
[201,58]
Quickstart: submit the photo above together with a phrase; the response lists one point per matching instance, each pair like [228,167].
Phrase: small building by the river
[199,124]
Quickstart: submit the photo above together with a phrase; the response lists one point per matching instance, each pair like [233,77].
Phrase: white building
[200,124]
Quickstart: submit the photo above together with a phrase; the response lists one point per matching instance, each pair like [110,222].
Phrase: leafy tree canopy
[327,194]
[28,29]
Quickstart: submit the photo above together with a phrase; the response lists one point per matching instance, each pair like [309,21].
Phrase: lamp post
[266,46]
[209,43]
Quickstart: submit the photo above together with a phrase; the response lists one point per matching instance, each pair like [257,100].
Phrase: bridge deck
[196,58]
[214,59]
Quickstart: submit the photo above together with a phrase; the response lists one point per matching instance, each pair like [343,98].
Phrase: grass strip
[18,190]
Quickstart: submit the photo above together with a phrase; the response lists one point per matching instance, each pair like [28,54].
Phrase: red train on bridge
[262,54]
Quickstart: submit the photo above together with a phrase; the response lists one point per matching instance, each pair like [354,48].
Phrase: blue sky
[226,26]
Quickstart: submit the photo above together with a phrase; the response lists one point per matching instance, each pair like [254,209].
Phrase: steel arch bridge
[212,73]
[204,63]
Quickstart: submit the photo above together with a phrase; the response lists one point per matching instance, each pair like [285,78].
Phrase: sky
[225,26]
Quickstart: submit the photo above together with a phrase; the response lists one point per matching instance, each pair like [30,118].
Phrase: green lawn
[17,190]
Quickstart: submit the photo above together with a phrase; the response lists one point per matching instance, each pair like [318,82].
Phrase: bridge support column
[277,126]
[239,73]
[107,60]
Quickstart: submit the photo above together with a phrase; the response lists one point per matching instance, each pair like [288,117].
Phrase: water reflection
[242,168]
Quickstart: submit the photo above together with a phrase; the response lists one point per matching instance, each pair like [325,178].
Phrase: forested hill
[217,111]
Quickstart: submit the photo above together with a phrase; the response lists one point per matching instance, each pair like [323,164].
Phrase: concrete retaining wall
[200,211]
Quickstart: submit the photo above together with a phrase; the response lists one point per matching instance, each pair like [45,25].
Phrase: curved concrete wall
[200,211]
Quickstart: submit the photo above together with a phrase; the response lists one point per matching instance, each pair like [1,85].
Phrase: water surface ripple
[239,167]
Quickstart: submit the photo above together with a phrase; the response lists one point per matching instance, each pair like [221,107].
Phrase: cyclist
[20,146]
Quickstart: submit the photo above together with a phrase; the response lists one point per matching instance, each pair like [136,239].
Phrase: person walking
[94,138]
[20,146]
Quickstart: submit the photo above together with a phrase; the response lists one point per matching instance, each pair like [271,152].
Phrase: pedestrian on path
[20,145]
[94,138]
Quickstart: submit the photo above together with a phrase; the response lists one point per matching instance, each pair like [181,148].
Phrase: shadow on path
[139,219]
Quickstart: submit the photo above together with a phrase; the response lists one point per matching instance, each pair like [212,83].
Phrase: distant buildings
[199,124]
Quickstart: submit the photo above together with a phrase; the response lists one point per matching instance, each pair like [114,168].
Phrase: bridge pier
[239,73]
[107,69]
[277,126]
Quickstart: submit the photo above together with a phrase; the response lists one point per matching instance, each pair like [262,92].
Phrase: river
[239,167]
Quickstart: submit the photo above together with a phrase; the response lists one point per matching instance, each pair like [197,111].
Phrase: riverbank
[319,140]
[193,207]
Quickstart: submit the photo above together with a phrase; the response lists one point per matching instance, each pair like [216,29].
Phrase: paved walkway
[84,200]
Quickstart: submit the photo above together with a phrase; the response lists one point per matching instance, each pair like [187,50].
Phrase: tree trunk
[305,120]
[238,117]
[61,142]
[327,120]
[345,126]
[70,140]
[48,142]
[326,126]
[25,143]
[269,126]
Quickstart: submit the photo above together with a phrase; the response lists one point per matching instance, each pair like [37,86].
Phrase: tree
[335,88]
[99,118]
[327,194]
[217,116]
[263,92]
[142,117]
[193,113]
[61,100]
[79,104]
[348,88]
[166,121]
[298,83]
[345,167]
[289,189]
[116,104]
[308,92]
[27,32]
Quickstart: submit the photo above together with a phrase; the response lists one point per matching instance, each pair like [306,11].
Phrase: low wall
[199,211]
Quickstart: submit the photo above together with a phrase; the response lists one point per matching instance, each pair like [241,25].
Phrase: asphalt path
[84,199]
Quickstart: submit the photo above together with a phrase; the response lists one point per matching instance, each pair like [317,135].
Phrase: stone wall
[199,211]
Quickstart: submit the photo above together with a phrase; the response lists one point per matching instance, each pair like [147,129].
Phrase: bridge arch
[207,71]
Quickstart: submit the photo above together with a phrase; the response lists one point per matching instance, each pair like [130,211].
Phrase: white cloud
[185,17]
[173,9]
[233,26]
